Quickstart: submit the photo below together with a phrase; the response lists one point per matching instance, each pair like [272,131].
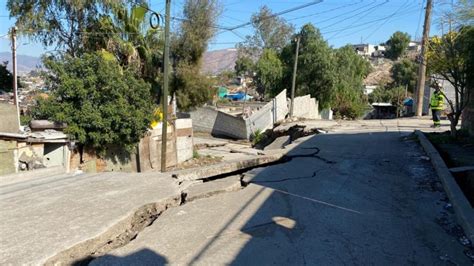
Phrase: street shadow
[276,226]
[329,204]
[143,257]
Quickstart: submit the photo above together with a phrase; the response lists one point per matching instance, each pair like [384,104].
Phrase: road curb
[463,210]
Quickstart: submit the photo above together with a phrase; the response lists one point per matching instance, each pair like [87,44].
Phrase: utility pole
[295,67]
[164,100]
[422,68]
[15,78]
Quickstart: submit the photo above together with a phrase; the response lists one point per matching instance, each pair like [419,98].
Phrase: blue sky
[340,21]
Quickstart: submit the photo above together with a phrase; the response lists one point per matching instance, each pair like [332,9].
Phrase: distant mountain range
[214,62]
[25,63]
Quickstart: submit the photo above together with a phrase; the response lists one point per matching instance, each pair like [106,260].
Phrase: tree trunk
[468,115]
[453,123]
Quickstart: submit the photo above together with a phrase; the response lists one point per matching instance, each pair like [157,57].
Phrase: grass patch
[256,137]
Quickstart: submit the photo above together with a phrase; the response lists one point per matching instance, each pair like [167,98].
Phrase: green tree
[197,89]
[244,66]
[316,72]
[101,103]
[397,45]
[126,33]
[348,100]
[61,23]
[450,57]
[6,78]
[195,30]
[269,71]
[385,94]
[270,32]
[404,73]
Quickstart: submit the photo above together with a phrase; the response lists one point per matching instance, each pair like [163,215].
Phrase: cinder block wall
[230,126]
[262,120]
[204,119]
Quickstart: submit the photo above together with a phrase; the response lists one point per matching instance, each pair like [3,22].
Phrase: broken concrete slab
[278,143]
[225,167]
[202,143]
[61,219]
[249,176]
[211,188]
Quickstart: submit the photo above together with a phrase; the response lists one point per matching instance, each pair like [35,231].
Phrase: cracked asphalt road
[376,203]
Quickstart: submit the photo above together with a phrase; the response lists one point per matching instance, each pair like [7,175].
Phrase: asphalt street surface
[363,198]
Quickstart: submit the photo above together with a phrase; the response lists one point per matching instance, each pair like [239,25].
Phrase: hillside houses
[372,50]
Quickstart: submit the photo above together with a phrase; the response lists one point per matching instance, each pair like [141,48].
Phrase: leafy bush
[101,102]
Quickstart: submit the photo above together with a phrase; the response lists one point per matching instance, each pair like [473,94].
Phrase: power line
[393,14]
[323,12]
[367,23]
[277,14]
[365,11]
[349,12]
[419,19]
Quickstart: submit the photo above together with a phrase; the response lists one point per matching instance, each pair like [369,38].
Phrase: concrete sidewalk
[42,217]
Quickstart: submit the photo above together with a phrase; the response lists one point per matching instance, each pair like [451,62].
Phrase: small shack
[383,111]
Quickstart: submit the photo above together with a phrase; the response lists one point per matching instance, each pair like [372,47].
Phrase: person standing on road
[437,104]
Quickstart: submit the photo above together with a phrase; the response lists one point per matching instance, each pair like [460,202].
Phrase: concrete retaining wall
[9,118]
[7,157]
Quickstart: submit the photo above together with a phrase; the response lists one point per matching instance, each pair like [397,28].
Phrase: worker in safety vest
[436,105]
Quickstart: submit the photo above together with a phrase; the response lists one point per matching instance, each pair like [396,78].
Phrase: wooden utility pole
[15,78]
[293,82]
[166,70]
[422,68]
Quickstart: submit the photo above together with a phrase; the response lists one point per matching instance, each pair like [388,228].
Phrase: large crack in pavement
[128,229]
[116,236]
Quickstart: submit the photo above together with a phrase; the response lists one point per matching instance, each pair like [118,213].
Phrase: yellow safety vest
[437,101]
